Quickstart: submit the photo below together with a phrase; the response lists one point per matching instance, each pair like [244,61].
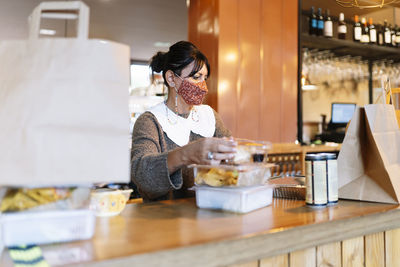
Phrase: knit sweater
[149,169]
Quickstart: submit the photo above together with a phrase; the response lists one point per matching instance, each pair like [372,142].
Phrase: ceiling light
[47,32]
[231,56]
[306,84]
[162,44]
[309,87]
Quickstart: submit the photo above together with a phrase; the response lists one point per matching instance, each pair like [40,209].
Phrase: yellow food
[217,177]
[22,199]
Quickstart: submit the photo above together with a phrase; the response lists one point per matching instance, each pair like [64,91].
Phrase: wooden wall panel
[289,69]
[228,63]
[392,248]
[378,249]
[374,250]
[248,264]
[254,43]
[248,90]
[329,255]
[203,32]
[353,252]
[277,261]
[303,258]
[270,125]
[193,15]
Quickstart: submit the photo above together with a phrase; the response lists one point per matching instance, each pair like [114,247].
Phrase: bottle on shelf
[313,22]
[356,30]
[364,31]
[320,23]
[328,25]
[393,34]
[342,28]
[380,34]
[372,32]
[397,36]
[387,35]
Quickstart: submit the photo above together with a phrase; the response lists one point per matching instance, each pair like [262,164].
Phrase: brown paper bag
[369,160]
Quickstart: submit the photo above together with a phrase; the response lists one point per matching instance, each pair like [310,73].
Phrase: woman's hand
[202,151]
[208,151]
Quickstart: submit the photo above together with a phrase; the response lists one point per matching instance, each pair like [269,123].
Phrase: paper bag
[63,107]
[369,160]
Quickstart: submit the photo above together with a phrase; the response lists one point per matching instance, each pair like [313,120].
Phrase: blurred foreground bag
[63,106]
[369,160]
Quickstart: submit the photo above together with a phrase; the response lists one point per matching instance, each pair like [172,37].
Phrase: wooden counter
[176,233]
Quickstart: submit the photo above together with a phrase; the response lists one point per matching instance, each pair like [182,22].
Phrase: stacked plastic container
[238,186]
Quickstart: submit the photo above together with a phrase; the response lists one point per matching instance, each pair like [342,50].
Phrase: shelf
[345,47]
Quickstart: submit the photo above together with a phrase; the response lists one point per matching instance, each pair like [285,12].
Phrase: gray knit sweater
[149,170]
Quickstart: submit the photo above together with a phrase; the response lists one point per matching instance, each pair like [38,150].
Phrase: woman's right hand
[209,150]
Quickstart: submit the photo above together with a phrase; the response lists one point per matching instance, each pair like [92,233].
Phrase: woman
[179,131]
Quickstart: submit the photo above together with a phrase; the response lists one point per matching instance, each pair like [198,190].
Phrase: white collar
[201,120]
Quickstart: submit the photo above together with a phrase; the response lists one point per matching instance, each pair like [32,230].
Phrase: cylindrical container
[316,180]
[331,175]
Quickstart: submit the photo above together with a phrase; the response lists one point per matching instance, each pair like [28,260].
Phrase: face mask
[192,93]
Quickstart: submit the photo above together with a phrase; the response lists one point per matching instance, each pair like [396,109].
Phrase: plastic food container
[109,202]
[235,199]
[251,151]
[21,228]
[231,175]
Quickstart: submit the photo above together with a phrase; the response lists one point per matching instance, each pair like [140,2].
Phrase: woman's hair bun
[157,62]
[179,56]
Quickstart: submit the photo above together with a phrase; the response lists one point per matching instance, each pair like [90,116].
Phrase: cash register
[341,114]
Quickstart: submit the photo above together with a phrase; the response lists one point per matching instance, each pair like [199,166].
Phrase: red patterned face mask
[192,93]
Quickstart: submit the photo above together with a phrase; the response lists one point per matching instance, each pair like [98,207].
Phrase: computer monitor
[341,114]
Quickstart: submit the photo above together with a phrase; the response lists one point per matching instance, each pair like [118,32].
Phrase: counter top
[178,233]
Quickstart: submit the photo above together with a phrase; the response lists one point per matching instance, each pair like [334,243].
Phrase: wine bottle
[387,35]
[372,32]
[342,28]
[393,35]
[364,31]
[397,36]
[356,29]
[313,22]
[320,23]
[328,27]
[380,33]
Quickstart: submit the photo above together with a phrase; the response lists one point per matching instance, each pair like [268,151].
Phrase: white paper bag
[63,107]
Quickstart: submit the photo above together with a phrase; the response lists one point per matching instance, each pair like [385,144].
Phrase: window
[140,76]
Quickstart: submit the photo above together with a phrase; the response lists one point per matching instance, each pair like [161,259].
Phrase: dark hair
[177,58]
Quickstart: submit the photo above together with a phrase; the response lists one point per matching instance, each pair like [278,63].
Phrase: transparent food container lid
[251,150]
[232,175]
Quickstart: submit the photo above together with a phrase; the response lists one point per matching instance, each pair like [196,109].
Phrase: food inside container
[109,202]
[45,215]
[231,175]
[235,199]
[44,199]
[251,151]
